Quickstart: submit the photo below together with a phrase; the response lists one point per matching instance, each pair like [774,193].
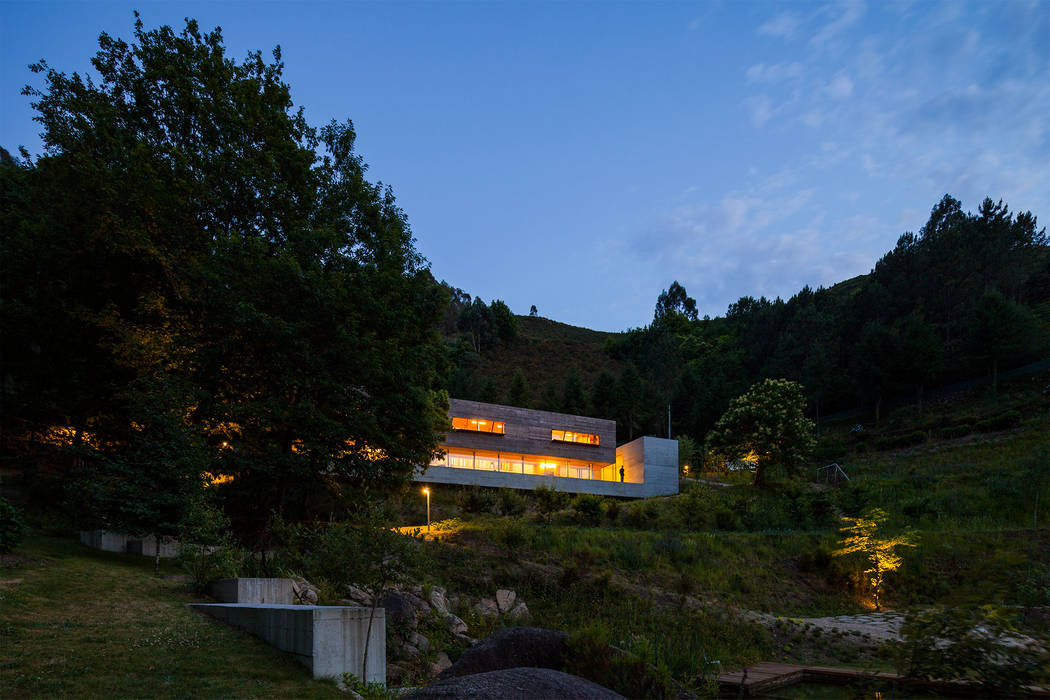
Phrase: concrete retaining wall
[109,541]
[329,640]
[276,591]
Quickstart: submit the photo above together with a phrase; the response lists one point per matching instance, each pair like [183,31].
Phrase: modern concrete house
[519,448]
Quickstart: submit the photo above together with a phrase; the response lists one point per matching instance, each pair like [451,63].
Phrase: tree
[863,535]
[533,312]
[603,396]
[766,423]
[573,399]
[519,394]
[674,301]
[999,331]
[476,319]
[206,269]
[504,322]
[628,400]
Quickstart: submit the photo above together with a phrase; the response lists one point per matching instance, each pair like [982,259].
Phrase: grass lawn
[75,622]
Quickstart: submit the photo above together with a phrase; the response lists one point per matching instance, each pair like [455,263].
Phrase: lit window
[571,436]
[479,425]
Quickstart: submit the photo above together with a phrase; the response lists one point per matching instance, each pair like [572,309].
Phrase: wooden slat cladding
[529,432]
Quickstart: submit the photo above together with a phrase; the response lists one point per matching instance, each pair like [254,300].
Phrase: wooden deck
[765,677]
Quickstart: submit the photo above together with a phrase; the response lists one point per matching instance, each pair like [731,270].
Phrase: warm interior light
[426,491]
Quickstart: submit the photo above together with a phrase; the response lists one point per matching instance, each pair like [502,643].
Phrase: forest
[964,298]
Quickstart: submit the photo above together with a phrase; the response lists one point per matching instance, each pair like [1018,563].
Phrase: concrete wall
[148,547]
[109,541]
[329,640]
[277,591]
[105,540]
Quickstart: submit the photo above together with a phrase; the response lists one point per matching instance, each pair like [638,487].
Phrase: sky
[581,156]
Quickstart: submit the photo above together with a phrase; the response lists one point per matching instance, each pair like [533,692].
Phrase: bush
[588,508]
[549,500]
[12,528]
[726,519]
[969,645]
[906,440]
[612,509]
[206,549]
[1003,421]
[954,431]
[511,502]
[640,515]
[476,500]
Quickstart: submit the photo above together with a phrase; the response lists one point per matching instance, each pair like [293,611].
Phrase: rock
[440,664]
[464,638]
[419,641]
[519,611]
[359,596]
[303,592]
[486,608]
[422,607]
[454,624]
[514,684]
[408,651]
[505,599]
[399,610]
[396,673]
[439,601]
[511,648]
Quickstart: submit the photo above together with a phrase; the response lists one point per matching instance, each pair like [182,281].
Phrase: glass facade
[462,458]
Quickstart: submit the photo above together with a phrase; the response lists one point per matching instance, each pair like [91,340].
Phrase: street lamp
[427,492]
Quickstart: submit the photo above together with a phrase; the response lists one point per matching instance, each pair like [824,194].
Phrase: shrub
[549,500]
[588,508]
[476,500]
[612,509]
[969,645]
[640,515]
[954,431]
[12,528]
[206,549]
[1003,421]
[511,502]
[906,440]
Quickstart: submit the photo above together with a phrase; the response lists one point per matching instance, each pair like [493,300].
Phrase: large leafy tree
[766,424]
[187,234]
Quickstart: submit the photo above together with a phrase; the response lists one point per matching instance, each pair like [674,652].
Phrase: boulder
[439,601]
[303,592]
[513,647]
[396,673]
[454,624]
[359,596]
[419,642]
[519,611]
[505,599]
[441,663]
[486,607]
[399,610]
[514,684]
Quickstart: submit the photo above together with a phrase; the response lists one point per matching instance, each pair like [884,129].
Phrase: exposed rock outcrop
[512,648]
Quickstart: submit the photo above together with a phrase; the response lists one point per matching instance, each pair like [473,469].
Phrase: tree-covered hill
[966,297]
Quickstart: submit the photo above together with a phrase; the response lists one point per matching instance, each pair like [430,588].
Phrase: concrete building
[509,447]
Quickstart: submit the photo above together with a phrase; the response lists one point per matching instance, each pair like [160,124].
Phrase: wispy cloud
[785,25]
[843,16]
[774,72]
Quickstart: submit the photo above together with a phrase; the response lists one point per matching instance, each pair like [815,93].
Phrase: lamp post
[427,492]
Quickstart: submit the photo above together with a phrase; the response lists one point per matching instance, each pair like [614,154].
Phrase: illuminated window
[570,436]
[479,425]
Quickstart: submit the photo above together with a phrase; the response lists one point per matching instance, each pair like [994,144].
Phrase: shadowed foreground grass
[75,622]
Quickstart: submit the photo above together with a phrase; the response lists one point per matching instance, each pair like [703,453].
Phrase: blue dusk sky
[581,156]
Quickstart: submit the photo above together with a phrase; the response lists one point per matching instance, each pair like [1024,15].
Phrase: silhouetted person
[621,475]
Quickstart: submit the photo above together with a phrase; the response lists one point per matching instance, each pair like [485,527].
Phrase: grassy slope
[75,622]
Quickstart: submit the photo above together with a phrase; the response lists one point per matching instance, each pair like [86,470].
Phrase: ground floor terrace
[645,467]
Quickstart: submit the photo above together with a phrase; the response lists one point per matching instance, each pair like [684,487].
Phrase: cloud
[840,87]
[774,73]
[761,109]
[846,14]
[784,24]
